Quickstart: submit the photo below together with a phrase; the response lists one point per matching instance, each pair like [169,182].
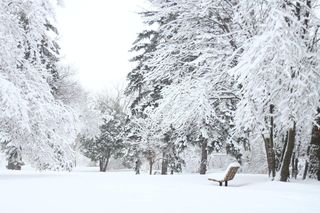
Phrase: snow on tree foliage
[184,70]
[108,142]
[209,75]
[31,118]
[278,69]
[223,73]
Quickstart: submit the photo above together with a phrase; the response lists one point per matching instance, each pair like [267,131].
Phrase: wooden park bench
[229,175]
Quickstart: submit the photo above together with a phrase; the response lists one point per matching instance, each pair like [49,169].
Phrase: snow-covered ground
[93,192]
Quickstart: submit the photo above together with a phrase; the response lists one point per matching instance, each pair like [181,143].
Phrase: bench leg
[220,183]
[226,183]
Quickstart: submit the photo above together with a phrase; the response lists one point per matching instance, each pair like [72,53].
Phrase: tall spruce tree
[198,102]
[109,142]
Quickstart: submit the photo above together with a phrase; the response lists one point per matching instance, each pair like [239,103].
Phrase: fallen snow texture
[94,192]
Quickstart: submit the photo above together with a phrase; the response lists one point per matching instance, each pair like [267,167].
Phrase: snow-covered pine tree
[49,53]
[141,142]
[136,89]
[171,158]
[109,142]
[191,55]
[133,149]
[13,156]
[142,95]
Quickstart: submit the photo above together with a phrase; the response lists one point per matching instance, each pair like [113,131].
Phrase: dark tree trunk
[312,167]
[106,164]
[314,161]
[103,164]
[151,157]
[137,167]
[284,174]
[204,157]
[270,157]
[285,142]
[164,165]
[269,146]
[306,168]
[294,162]
[150,166]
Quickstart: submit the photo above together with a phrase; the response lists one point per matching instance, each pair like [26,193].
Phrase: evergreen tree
[197,98]
[13,155]
[143,96]
[109,142]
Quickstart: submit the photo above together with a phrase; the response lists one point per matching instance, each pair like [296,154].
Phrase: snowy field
[93,192]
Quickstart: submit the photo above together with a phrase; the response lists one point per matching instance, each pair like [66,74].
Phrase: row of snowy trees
[282,60]
[228,75]
[38,121]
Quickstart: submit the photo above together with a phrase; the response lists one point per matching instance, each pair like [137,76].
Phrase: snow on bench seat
[229,174]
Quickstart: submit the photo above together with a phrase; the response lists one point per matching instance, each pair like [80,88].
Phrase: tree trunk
[306,165]
[101,160]
[137,167]
[285,142]
[305,172]
[151,157]
[270,157]
[204,157]
[164,165]
[150,166]
[103,163]
[269,146]
[294,162]
[284,174]
[314,161]
[106,164]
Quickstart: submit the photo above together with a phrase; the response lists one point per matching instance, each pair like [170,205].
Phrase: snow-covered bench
[229,174]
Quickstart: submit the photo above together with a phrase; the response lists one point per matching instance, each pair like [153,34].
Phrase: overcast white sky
[96,36]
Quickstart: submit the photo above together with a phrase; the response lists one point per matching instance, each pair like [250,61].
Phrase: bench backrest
[231,173]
